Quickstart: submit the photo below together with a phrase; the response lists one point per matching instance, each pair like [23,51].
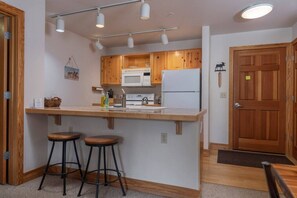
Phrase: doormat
[250,159]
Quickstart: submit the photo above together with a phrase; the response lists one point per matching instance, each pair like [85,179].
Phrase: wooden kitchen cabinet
[192,59]
[158,63]
[175,60]
[111,70]
[136,61]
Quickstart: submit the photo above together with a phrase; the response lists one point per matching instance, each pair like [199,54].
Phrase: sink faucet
[144,101]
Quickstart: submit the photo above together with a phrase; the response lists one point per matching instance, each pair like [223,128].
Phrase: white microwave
[136,77]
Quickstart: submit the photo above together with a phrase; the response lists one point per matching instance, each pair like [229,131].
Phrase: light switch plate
[223,95]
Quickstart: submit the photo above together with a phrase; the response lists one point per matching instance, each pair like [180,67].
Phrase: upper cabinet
[111,70]
[192,59]
[111,66]
[158,63]
[175,60]
[136,61]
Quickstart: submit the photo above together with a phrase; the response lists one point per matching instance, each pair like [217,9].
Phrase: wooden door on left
[4,53]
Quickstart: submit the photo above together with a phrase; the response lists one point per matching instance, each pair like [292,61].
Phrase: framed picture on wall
[71,73]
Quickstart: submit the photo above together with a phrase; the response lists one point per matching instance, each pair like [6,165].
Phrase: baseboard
[215,146]
[33,174]
[141,186]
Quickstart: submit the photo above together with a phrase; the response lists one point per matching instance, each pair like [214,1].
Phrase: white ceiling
[189,15]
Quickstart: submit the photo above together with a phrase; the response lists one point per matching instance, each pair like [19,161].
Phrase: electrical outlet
[163,138]
[223,95]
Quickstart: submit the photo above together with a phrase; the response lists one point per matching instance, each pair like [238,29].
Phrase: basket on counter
[52,102]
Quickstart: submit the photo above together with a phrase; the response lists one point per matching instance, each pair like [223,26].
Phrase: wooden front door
[295,103]
[3,102]
[259,111]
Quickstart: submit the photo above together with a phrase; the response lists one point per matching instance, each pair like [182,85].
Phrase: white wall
[142,156]
[294,28]
[35,127]
[155,47]
[61,46]
[220,45]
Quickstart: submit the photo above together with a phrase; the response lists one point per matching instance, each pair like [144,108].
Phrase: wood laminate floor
[231,175]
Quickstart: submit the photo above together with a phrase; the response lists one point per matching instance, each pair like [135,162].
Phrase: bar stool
[63,137]
[101,142]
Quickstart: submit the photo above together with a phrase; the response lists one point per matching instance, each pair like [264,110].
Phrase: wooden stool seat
[62,136]
[102,140]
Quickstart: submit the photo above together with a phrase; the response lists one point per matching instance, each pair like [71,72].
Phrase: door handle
[237,105]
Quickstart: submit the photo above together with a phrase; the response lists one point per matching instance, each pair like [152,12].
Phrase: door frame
[16,103]
[289,89]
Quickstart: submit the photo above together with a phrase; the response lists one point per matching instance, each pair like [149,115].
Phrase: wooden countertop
[286,177]
[174,114]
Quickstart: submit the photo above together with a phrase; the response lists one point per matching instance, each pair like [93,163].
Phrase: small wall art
[71,69]
[220,68]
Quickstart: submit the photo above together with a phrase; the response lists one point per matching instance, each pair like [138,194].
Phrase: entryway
[258,98]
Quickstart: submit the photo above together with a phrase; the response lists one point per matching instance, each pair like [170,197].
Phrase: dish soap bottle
[103,98]
[106,102]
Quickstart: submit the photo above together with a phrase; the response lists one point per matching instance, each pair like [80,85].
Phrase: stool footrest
[108,182]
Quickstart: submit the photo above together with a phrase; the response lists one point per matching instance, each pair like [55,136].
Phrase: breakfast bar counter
[160,147]
[147,113]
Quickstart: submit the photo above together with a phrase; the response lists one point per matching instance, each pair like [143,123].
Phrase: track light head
[145,11]
[99,46]
[130,41]
[100,19]
[164,38]
[60,25]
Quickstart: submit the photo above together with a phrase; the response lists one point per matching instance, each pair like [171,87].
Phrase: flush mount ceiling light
[100,19]
[164,38]
[99,45]
[257,11]
[130,41]
[60,25]
[145,13]
[145,10]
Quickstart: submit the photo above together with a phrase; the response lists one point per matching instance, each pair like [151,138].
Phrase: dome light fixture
[99,46]
[164,38]
[130,41]
[60,25]
[100,19]
[145,10]
[257,11]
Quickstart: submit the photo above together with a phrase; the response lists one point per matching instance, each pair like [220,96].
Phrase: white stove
[136,99]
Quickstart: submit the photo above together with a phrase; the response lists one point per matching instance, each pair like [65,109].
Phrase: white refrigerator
[181,88]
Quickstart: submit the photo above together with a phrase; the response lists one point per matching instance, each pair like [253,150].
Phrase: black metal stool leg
[86,172]
[118,172]
[78,163]
[98,174]
[47,166]
[64,167]
[105,175]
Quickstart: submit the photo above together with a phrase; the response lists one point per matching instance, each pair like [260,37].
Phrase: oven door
[132,79]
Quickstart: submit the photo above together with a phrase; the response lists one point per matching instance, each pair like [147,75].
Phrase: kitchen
[55,85]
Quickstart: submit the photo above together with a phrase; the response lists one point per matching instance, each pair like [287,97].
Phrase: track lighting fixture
[99,45]
[100,19]
[130,41]
[60,26]
[164,38]
[145,10]
[144,13]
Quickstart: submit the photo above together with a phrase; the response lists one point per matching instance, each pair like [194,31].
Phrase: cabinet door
[104,63]
[111,70]
[193,58]
[115,70]
[158,64]
[175,60]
